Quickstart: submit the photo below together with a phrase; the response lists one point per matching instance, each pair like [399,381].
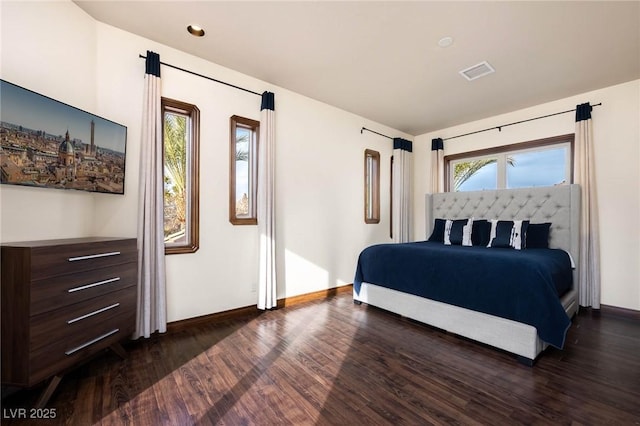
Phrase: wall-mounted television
[47,143]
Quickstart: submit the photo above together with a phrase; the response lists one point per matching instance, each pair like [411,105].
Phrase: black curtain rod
[204,76]
[511,124]
[372,131]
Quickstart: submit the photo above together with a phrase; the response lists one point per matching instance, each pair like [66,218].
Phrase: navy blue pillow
[437,235]
[456,233]
[480,232]
[538,235]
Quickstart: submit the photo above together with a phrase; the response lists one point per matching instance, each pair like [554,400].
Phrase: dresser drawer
[57,357]
[50,261]
[76,323]
[52,293]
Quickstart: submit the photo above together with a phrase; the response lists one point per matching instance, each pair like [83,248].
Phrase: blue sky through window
[537,168]
[531,168]
[485,178]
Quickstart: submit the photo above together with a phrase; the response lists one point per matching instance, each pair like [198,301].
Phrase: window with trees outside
[243,171]
[543,162]
[181,132]
[371,186]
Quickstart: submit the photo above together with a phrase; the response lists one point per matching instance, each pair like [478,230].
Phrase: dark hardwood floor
[333,362]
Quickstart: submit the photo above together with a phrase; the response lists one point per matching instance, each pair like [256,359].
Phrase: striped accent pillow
[508,234]
[458,232]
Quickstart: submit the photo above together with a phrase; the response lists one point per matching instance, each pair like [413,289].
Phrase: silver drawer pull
[93,256]
[115,305]
[91,342]
[84,287]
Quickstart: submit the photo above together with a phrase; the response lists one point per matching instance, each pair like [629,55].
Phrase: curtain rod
[511,124]
[372,131]
[204,76]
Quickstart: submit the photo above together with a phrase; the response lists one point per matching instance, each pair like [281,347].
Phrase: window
[391,198]
[543,162]
[180,133]
[371,186]
[243,171]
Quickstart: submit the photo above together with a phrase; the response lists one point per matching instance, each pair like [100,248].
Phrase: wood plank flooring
[335,363]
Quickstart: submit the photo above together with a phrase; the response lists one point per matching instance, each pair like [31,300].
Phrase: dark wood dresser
[62,302]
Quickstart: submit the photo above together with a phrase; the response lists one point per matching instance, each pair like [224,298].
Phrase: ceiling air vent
[477,71]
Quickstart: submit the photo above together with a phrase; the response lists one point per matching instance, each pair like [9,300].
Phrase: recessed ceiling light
[195,30]
[445,41]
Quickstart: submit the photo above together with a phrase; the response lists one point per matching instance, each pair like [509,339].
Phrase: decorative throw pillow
[455,232]
[538,235]
[480,232]
[508,233]
[437,235]
[467,232]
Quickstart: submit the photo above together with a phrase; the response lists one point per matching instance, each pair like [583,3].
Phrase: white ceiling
[381,60]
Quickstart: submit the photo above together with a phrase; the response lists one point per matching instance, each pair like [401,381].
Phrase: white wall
[617,156]
[49,49]
[319,165]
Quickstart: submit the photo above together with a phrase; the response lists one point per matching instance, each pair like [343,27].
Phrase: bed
[521,321]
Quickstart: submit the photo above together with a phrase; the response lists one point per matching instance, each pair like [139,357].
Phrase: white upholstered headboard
[559,205]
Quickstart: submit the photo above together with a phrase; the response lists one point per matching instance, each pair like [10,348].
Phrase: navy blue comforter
[520,285]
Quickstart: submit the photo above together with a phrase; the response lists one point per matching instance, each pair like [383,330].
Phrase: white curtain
[266,204]
[584,174]
[437,165]
[152,308]
[402,205]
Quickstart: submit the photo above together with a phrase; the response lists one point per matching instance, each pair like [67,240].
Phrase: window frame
[193,174]
[504,151]
[234,122]
[372,186]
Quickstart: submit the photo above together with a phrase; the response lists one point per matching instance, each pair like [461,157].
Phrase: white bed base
[559,205]
[511,336]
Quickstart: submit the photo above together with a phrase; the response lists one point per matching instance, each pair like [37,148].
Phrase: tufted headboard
[559,205]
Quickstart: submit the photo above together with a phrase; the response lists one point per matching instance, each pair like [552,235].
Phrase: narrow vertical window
[243,170]
[371,186]
[181,129]
[391,199]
